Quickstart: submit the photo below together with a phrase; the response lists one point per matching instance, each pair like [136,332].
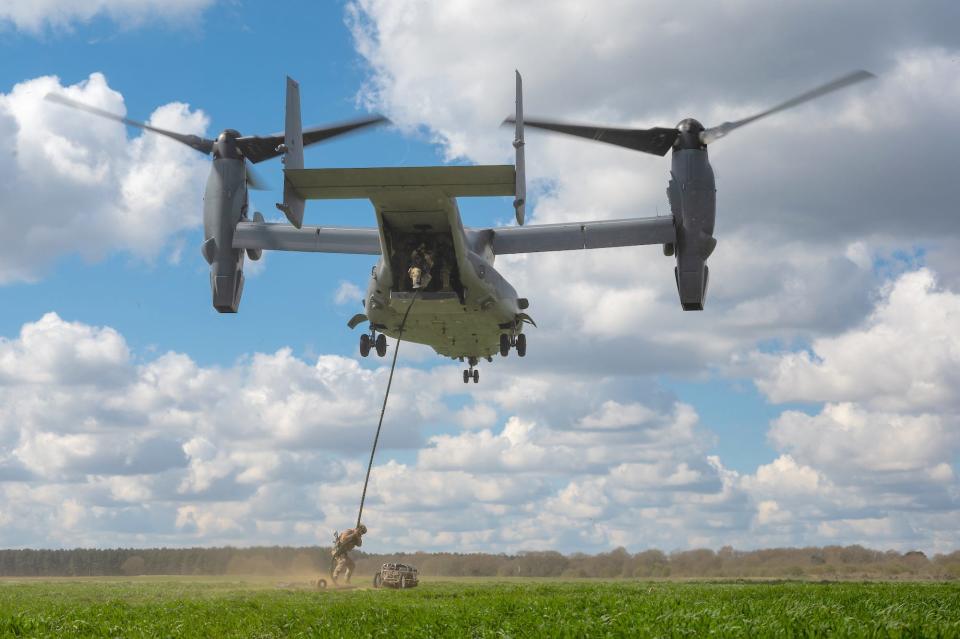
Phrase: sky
[815,401]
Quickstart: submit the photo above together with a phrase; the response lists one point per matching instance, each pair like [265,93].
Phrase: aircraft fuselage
[465,306]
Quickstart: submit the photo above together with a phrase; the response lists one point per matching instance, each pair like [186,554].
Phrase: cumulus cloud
[808,200]
[347,292]
[889,389]
[906,355]
[51,351]
[823,218]
[34,17]
[99,446]
[77,184]
[273,449]
[477,416]
[847,439]
[878,460]
[575,447]
[77,409]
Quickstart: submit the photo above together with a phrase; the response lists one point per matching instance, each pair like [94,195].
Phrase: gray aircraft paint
[471,322]
[691,190]
[225,199]
[224,205]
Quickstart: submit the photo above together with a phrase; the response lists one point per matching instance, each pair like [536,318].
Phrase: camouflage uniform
[421,263]
[343,543]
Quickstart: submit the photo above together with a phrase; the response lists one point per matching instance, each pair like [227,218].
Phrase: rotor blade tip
[58,98]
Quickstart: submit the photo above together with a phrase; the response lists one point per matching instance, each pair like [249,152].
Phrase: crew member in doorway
[421,263]
[343,543]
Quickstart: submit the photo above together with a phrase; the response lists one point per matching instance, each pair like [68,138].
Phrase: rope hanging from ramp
[383,409]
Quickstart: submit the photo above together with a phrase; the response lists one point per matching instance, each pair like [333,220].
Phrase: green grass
[182,607]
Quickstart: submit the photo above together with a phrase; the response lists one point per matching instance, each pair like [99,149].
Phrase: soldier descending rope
[343,543]
[421,264]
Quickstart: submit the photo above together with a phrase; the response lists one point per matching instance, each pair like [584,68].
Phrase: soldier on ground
[343,543]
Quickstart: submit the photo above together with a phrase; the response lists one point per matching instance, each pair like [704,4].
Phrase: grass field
[184,607]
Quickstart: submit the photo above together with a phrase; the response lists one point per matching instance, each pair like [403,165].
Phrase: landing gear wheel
[476,376]
[377,580]
[364,345]
[466,376]
[381,345]
[504,344]
[521,344]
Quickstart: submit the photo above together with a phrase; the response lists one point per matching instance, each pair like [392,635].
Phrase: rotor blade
[193,141]
[656,140]
[257,148]
[255,181]
[717,132]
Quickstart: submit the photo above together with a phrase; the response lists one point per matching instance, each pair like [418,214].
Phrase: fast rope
[383,409]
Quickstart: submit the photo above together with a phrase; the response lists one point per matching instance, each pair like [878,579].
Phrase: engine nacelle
[224,205]
[692,194]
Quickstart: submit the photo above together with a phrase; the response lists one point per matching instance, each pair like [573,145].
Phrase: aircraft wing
[537,238]
[582,235]
[315,239]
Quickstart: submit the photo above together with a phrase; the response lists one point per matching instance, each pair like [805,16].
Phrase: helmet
[362,529]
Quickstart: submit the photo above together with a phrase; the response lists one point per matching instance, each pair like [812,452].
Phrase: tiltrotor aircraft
[462,307]
[691,190]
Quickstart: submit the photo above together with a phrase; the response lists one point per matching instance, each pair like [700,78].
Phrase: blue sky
[228,64]
[784,414]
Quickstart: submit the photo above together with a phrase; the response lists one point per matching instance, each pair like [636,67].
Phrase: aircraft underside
[441,322]
[464,308]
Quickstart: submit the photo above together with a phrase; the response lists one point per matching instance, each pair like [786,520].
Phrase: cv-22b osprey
[462,306]
[430,264]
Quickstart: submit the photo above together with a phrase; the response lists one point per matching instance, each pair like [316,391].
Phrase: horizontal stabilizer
[454,181]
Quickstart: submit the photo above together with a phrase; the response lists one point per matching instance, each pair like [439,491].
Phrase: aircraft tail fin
[520,192]
[293,203]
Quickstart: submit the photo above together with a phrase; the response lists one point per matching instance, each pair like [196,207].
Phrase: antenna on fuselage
[520,192]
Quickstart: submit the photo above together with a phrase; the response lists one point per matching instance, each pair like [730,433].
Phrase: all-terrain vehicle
[396,576]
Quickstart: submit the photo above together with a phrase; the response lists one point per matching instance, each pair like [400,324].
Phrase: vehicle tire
[504,345]
[364,345]
[521,344]
[377,580]
[381,344]
[476,375]
[321,584]
[466,376]
[403,582]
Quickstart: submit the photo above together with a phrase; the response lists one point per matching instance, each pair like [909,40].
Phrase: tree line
[813,562]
